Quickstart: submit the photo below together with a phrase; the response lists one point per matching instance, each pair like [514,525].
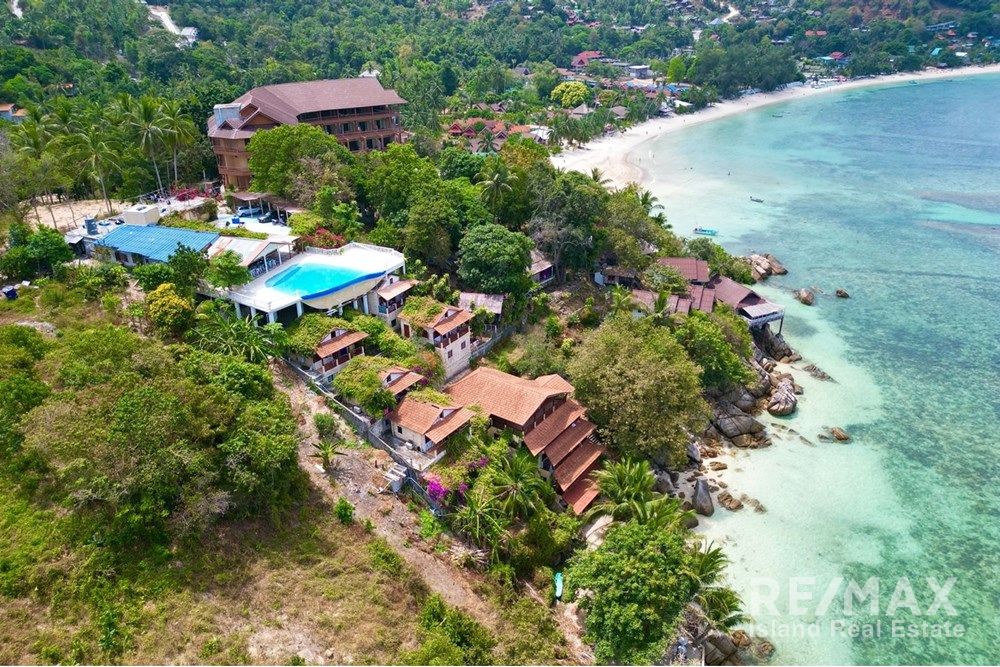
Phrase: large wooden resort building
[360,113]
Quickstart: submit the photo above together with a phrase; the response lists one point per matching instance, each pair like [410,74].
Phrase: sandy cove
[610,153]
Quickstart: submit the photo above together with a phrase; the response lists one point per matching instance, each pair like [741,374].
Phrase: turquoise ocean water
[893,194]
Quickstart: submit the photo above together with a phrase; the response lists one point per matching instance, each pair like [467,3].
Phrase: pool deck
[358,256]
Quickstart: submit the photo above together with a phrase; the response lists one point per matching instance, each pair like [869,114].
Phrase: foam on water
[891,194]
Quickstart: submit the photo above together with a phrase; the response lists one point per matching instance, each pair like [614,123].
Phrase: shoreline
[611,153]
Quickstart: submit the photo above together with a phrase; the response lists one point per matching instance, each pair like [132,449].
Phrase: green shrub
[384,557]
[326,425]
[344,511]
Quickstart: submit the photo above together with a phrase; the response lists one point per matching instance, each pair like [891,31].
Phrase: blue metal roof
[156,242]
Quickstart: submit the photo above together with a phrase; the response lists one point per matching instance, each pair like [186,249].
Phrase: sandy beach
[610,153]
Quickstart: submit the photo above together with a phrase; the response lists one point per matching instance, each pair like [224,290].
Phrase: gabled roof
[503,395]
[693,269]
[398,379]
[249,250]
[577,463]
[435,422]
[450,319]
[284,102]
[702,298]
[156,242]
[730,292]
[581,493]
[567,441]
[538,438]
[338,342]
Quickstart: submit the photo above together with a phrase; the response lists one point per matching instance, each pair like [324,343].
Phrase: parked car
[248,211]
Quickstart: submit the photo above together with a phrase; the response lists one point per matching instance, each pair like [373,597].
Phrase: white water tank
[141,214]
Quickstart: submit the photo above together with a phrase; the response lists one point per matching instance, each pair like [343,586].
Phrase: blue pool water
[316,279]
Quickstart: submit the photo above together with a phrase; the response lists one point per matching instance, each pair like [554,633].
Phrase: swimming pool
[315,279]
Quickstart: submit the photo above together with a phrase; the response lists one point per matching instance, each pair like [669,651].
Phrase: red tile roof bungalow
[755,309]
[399,380]
[448,331]
[582,59]
[425,424]
[693,269]
[554,426]
[336,349]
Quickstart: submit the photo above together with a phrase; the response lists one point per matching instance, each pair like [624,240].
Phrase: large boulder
[840,434]
[741,397]
[733,422]
[693,453]
[805,296]
[663,484]
[772,344]
[783,399]
[842,293]
[762,386]
[701,501]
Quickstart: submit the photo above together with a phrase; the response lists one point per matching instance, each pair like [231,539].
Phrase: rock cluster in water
[762,266]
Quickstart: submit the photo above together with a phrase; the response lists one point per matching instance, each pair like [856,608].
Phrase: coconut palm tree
[326,452]
[178,130]
[621,484]
[518,487]
[598,177]
[621,300]
[496,181]
[648,200]
[721,605]
[145,117]
[97,155]
[482,520]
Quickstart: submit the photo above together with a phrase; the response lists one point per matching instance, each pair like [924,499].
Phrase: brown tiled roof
[503,395]
[568,440]
[395,289]
[582,492]
[555,381]
[284,102]
[428,419]
[694,270]
[403,379]
[338,343]
[679,304]
[446,322]
[577,463]
[702,298]
[644,298]
[539,437]
[732,293]
[449,425]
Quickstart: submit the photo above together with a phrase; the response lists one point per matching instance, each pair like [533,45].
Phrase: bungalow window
[379,124]
[363,126]
[399,430]
[449,354]
[353,146]
[370,144]
[345,127]
[463,344]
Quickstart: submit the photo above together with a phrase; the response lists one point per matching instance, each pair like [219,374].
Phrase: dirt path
[359,479]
